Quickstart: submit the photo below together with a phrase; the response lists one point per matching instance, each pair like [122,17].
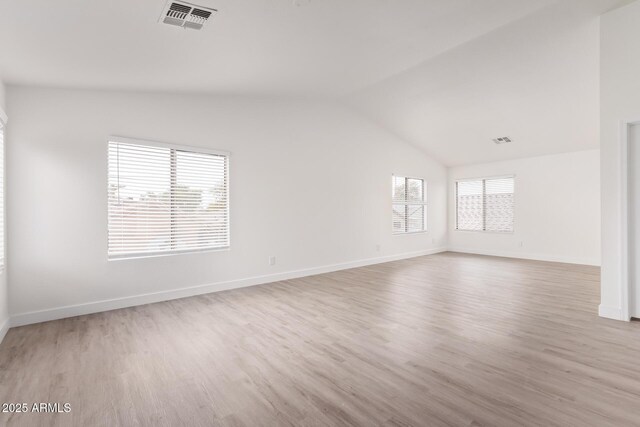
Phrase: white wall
[310,184]
[633,154]
[4,292]
[620,100]
[557,209]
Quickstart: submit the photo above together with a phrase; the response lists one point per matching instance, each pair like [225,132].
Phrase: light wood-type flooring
[447,339]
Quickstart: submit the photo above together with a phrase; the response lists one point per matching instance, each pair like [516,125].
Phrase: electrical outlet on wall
[272,260]
[521,244]
[377,248]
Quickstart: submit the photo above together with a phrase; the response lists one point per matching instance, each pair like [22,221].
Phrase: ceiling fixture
[503,140]
[185,15]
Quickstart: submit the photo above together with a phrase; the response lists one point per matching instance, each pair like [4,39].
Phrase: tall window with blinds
[409,205]
[166,199]
[485,205]
[2,263]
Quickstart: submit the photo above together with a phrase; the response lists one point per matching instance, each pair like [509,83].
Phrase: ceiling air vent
[503,140]
[185,15]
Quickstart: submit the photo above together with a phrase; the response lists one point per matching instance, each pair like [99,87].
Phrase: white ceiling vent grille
[503,140]
[185,15]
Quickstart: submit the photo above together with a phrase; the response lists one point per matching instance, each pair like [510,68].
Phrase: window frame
[177,147]
[406,204]
[3,129]
[484,215]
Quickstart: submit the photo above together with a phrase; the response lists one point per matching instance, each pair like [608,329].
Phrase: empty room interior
[320,213]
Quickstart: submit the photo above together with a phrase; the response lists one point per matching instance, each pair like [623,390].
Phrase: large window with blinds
[166,199]
[485,204]
[409,205]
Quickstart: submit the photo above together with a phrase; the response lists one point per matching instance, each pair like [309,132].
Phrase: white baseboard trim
[31,317]
[3,329]
[609,312]
[534,257]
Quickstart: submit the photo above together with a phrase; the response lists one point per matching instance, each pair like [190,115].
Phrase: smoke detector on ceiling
[185,15]
[503,140]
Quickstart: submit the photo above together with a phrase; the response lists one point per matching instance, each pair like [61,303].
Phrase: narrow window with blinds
[166,199]
[2,263]
[409,205]
[485,205]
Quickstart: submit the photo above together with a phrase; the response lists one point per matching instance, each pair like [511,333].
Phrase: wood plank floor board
[441,340]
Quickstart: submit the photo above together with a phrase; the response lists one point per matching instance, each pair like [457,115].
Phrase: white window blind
[485,205]
[2,263]
[409,205]
[166,199]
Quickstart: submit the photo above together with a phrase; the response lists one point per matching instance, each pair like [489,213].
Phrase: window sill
[507,233]
[410,233]
[166,254]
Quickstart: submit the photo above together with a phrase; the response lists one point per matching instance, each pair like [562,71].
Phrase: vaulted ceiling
[445,75]
[535,80]
[311,47]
